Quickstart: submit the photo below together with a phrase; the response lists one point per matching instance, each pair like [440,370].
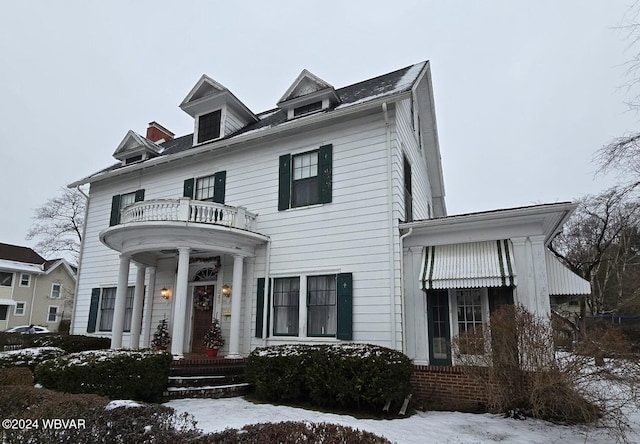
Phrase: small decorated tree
[213,337]
[161,336]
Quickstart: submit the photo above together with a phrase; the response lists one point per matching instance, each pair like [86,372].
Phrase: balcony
[153,229]
[187,210]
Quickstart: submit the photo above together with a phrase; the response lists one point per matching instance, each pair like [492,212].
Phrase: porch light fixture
[165,293]
[226,290]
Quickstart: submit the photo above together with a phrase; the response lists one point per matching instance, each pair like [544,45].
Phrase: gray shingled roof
[392,83]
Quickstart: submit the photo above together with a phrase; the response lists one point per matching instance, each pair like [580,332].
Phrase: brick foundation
[445,386]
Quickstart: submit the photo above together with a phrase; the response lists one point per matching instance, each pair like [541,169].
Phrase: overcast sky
[525,91]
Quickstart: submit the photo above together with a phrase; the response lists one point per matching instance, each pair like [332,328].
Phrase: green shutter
[344,283]
[325,172]
[93,310]
[220,179]
[259,307]
[284,182]
[189,185]
[115,211]
[139,195]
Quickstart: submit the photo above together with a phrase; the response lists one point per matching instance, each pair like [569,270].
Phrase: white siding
[350,234]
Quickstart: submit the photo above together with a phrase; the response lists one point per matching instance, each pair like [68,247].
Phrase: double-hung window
[324,302]
[120,202]
[286,297]
[52,314]
[107,307]
[305,178]
[207,188]
[25,279]
[19,309]
[321,305]
[470,320]
[56,291]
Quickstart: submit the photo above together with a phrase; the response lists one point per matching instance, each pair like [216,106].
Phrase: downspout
[402,295]
[392,274]
[84,233]
[265,298]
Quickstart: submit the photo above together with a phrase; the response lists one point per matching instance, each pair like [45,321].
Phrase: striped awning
[7,302]
[563,281]
[469,265]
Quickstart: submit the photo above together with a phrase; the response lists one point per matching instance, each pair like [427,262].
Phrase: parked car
[25,329]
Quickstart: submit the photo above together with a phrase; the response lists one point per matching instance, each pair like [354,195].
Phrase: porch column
[120,303]
[136,314]
[148,308]
[180,304]
[236,303]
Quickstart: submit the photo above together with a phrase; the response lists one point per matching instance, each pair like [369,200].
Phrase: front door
[202,315]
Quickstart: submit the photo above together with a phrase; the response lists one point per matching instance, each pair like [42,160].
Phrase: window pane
[321,305]
[6,279]
[286,294]
[209,126]
[53,312]
[127,199]
[25,279]
[469,303]
[106,308]
[55,291]
[204,188]
[129,309]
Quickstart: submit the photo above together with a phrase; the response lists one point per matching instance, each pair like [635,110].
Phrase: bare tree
[58,224]
[600,243]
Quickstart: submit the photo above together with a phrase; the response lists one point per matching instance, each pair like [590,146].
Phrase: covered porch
[187,250]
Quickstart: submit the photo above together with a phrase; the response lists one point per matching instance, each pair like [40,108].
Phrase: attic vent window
[133,159]
[307,109]
[209,126]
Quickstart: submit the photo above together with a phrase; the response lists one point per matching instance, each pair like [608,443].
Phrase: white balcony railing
[187,210]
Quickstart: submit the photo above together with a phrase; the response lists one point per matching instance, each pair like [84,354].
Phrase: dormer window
[307,109]
[307,94]
[209,126]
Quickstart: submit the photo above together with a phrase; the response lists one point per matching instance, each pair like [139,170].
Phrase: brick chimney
[157,132]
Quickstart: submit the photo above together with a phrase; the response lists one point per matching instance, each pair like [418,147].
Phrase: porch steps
[198,377]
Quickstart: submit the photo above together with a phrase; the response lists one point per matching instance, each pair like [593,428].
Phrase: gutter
[392,274]
[402,294]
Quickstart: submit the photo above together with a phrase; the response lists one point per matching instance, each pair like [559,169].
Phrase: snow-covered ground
[425,427]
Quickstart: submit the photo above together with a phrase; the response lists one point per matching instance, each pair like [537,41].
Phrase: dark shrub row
[29,357]
[293,432]
[69,343]
[94,421]
[350,375]
[117,374]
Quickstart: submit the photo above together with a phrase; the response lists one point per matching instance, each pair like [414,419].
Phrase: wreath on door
[203,299]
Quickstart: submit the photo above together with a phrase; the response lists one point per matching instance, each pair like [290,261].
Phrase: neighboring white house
[34,290]
[320,221]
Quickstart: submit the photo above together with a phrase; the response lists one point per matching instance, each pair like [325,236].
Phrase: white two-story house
[321,220]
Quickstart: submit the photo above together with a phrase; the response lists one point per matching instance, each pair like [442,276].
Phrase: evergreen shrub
[345,375]
[69,343]
[117,374]
[29,357]
[293,432]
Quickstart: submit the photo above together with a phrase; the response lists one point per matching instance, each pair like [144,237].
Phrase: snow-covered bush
[117,374]
[70,343]
[345,375]
[289,431]
[29,357]
[91,418]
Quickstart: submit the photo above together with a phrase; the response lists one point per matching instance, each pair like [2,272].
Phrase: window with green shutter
[120,202]
[207,188]
[305,178]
